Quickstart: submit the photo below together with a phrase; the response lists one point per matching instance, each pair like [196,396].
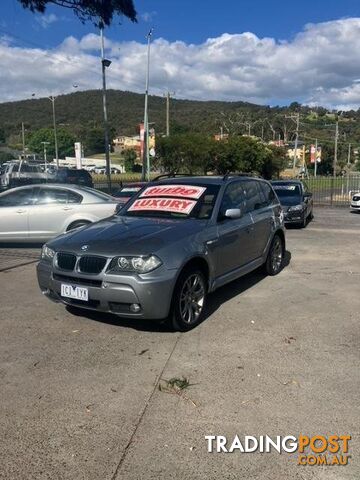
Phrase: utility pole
[316,152]
[348,169]
[167,95]
[23,138]
[104,64]
[262,133]
[146,155]
[296,119]
[52,99]
[336,145]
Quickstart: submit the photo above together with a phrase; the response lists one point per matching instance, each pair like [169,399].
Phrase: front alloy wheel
[189,300]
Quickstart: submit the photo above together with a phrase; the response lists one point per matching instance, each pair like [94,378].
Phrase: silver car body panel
[39,223]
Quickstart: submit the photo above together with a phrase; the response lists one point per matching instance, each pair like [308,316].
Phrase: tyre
[188,302]
[77,224]
[275,258]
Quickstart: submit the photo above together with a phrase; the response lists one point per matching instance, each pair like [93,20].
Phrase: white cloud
[318,66]
[46,20]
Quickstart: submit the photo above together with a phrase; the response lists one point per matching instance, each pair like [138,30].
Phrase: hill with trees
[80,114]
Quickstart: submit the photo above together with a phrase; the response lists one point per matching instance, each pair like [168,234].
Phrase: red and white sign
[187,191]
[176,205]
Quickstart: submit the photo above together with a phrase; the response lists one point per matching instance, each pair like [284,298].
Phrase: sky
[260,51]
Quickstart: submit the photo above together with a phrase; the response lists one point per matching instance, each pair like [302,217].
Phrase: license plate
[72,291]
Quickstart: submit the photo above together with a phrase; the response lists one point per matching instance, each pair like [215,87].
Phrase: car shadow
[215,300]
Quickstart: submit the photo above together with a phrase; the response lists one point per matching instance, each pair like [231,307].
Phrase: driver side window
[17,198]
[233,198]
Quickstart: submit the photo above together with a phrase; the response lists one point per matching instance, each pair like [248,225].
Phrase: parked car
[74,176]
[99,170]
[355,202]
[296,200]
[39,212]
[128,190]
[18,173]
[173,243]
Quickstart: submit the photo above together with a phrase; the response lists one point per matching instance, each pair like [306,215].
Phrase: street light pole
[105,63]
[52,99]
[146,155]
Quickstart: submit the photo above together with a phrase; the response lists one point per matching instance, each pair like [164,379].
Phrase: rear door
[233,247]
[259,206]
[14,214]
[52,206]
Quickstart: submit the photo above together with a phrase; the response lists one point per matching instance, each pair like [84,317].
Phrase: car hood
[120,235]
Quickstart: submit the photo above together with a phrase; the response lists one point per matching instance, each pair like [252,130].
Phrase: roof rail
[172,175]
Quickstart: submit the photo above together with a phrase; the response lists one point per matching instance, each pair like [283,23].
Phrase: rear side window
[74,197]
[47,196]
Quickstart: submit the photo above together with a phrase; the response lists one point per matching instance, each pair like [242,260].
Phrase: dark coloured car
[74,176]
[296,200]
[172,244]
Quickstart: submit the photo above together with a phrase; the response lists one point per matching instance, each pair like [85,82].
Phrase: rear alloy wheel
[275,256]
[188,300]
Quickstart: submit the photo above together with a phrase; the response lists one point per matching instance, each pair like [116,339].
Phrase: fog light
[135,308]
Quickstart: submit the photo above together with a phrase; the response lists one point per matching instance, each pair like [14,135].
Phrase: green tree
[92,10]
[92,140]
[65,142]
[129,157]
[2,136]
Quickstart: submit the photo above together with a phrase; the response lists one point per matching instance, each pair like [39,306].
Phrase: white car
[36,213]
[355,202]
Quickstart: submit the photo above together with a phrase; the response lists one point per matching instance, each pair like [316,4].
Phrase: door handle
[20,211]
[67,208]
[211,242]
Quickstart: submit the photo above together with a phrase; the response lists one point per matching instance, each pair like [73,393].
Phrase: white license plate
[72,291]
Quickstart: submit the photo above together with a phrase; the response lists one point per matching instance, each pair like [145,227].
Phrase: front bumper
[355,206]
[294,217]
[113,293]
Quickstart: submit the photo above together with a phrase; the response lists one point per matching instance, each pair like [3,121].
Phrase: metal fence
[327,191]
[333,191]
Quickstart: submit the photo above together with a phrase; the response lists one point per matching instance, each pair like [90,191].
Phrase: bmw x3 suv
[175,241]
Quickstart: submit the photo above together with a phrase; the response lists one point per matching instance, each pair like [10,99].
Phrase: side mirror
[233,213]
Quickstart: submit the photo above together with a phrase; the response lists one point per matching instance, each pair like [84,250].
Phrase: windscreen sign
[183,191]
[174,205]
[179,199]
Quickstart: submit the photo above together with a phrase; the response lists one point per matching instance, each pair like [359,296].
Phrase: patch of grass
[175,384]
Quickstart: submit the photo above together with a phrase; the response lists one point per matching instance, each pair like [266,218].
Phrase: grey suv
[174,242]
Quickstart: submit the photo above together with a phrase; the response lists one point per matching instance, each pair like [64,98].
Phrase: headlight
[135,264]
[47,253]
[296,208]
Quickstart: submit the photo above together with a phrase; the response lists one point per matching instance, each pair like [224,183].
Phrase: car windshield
[287,190]
[174,201]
